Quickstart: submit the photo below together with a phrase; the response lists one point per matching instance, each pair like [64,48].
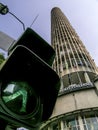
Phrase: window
[90,123]
[56,126]
[72,124]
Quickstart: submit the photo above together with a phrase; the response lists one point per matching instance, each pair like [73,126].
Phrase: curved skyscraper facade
[76,107]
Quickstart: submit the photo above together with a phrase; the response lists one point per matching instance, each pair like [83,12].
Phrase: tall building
[76,107]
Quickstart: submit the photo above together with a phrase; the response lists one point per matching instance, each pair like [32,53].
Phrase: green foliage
[2,58]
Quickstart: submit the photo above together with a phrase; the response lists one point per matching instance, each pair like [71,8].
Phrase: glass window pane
[90,122]
[56,126]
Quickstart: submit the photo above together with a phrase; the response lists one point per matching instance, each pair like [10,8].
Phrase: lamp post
[4,10]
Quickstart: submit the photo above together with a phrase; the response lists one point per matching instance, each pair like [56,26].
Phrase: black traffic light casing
[29,86]
[35,43]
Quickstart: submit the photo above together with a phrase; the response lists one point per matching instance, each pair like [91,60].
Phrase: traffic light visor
[37,44]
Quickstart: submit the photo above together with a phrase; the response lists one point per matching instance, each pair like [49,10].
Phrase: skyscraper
[77,105]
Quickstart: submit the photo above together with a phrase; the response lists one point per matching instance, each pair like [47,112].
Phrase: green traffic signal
[29,88]
[16,96]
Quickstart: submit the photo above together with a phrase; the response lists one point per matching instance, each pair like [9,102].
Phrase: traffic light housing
[29,86]
[37,44]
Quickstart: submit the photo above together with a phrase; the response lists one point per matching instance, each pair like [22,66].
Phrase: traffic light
[35,43]
[29,86]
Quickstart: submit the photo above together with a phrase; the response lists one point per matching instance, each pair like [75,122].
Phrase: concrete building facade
[5,41]
[76,107]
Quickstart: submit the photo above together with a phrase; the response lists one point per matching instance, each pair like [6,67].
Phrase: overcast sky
[82,14]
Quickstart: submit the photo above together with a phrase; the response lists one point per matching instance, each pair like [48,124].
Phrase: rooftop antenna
[34,20]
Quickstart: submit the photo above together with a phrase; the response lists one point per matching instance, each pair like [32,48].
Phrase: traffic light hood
[37,44]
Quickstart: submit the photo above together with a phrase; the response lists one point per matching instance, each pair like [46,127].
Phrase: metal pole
[18,20]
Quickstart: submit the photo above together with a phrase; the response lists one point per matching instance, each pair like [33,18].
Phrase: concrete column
[80,123]
[96,82]
[87,77]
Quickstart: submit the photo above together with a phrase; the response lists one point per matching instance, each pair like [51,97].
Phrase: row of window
[69,63]
[85,122]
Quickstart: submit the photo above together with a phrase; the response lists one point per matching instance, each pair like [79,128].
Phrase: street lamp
[4,10]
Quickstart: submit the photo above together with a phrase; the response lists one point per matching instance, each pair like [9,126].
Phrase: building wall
[5,41]
[75,101]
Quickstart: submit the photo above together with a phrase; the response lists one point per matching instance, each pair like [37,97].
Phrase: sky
[82,14]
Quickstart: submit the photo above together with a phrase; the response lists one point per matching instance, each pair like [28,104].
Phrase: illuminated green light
[16,96]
